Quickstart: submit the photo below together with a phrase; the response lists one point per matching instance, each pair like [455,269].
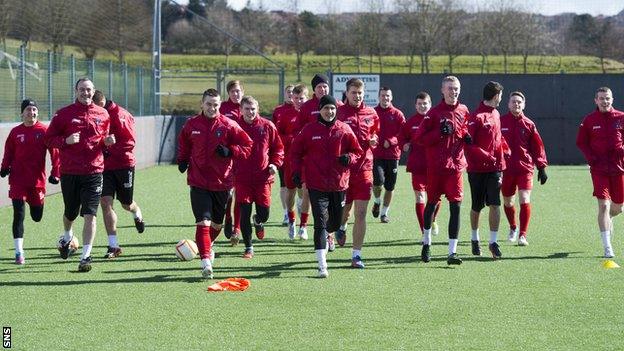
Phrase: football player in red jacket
[601,139]
[24,162]
[386,155]
[288,130]
[443,134]
[231,109]
[254,175]
[416,161]
[527,152]
[207,145]
[324,152]
[80,132]
[485,148]
[119,174]
[283,110]
[364,123]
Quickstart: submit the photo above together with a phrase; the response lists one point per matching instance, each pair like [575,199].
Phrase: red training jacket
[364,123]
[197,145]
[444,153]
[316,150]
[120,154]
[525,143]
[231,110]
[391,121]
[267,149]
[600,139]
[280,110]
[416,161]
[25,155]
[309,112]
[486,152]
[92,122]
[287,127]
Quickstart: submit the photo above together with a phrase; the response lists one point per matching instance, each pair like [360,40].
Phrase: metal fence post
[124,67]
[219,81]
[50,63]
[281,86]
[110,80]
[140,87]
[22,72]
[91,73]
[72,77]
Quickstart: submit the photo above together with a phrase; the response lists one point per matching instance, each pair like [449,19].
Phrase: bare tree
[506,27]
[421,19]
[7,11]
[531,40]
[372,31]
[59,17]
[131,24]
[480,37]
[592,36]
[183,37]
[224,19]
[454,38]
[331,38]
[303,36]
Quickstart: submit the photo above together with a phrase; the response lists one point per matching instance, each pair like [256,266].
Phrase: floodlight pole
[156,53]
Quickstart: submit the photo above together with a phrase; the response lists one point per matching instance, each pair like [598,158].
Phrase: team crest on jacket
[617,125]
[218,133]
[20,137]
[38,136]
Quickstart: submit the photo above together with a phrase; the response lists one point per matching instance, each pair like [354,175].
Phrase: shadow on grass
[250,270]
[147,226]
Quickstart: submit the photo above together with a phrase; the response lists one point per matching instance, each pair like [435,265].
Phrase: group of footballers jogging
[333,154]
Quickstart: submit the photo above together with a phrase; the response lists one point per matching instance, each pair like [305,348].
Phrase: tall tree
[303,36]
[59,15]
[423,23]
[454,38]
[508,26]
[593,37]
[7,11]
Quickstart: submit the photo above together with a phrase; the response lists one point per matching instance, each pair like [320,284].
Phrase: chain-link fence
[182,90]
[49,79]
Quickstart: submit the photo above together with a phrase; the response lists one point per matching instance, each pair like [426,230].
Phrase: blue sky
[546,7]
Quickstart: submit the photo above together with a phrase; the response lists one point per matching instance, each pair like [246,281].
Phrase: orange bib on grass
[230,284]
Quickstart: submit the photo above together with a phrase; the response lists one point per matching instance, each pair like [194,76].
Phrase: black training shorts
[385,172]
[485,189]
[208,205]
[81,194]
[119,182]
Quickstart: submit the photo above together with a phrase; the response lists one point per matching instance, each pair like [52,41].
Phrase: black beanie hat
[318,79]
[327,100]
[28,102]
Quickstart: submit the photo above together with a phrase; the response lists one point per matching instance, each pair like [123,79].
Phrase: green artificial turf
[551,295]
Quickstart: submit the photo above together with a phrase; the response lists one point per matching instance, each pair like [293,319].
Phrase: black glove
[446,127]
[467,139]
[541,175]
[344,159]
[182,166]
[53,180]
[4,172]
[223,151]
[296,178]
